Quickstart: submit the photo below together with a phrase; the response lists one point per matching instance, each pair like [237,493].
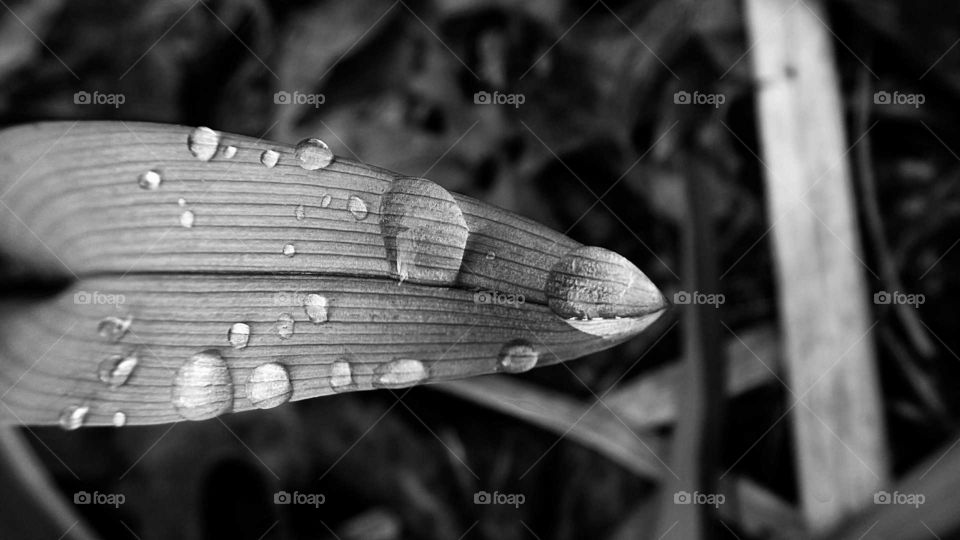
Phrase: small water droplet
[300,212]
[269,158]
[239,335]
[285,325]
[491,256]
[399,373]
[186,219]
[202,387]
[423,230]
[229,151]
[113,328]
[289,250]
[325,200]
[149,180]
[203,143]
[357,207]
[181,202]
[340,375]
[116,370]
[269,386]
[313,154]
[73,417]
[518,356]
[315,306]
[119,419]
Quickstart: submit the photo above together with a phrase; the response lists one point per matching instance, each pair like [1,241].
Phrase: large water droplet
[289,250]
[325,200]
[229,151]
[340,375]
[149,180]
[269,386]
[116,370]
[518,356]
[119,419]
[186,219]
[239,335]
[202,387]
[316,306]
[423,230]
[269,158]
[300,212]
[73,417]
[203,143]
[357,207]
[285,325]
[113,328]
[313,154]
[399,373]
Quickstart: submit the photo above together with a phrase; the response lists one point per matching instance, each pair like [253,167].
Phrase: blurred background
[581,115]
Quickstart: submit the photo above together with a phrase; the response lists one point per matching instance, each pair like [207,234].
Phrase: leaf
[191,283]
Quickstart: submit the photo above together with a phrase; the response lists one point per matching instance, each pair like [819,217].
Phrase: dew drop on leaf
[357,207]
[289,250]
[116,370]
[73,417]
[186,219]
[239,335]
[341,375]
[285,325]
[399,373]
[202,387]
[313,154]
[149,180]
[203,143]
[119,419]
[325,200]
[229,151]
[269,386]
[269,158]
[518,356]
[113,328]
[316,306]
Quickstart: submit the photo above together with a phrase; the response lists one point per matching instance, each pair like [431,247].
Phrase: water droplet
[399,373]
[203,143]
[269,158]
[316,308]
[73,417]
[313,154]
[119,419]
[202,387]
[423,231]
[289,250]
[116,369]
[491,256]
[186,219]
[149,180]
[269,386]
[285,325]
[181,202]
[357,207]
[518,356]
[325,200]
[229,151]
[340,375]
[239,335]
[113,328]
[300,212]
